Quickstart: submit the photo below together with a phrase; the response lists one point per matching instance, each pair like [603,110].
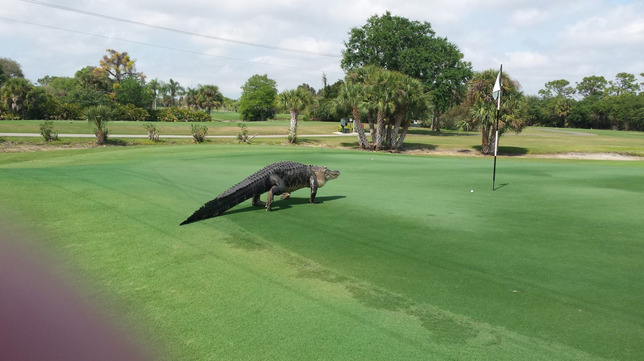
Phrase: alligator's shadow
[282,204]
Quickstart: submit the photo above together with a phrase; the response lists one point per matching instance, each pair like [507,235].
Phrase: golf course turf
[405,258]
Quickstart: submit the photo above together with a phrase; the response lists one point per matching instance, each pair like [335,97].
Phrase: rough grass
[533,140]
[400,261]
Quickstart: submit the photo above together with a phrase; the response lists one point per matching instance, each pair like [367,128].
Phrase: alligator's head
[324,174]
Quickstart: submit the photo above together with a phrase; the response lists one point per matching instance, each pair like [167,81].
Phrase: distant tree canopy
[115,84]
[602,104]
[258,97]
[11,68]
[412,48]
[117,66]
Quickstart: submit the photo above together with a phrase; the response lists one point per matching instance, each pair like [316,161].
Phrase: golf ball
[472,190]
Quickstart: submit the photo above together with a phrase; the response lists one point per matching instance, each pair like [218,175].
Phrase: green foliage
[483,107]
[556,89]
[209,97]
[99,116]
[47,131]
[389,101]
[257,102]
[10,69]
[605,105]
[176,114]
[3,76]
[117,66]
[14,95]
[130,112]
[132,91]
[411,47]
[199,132]
[242,136]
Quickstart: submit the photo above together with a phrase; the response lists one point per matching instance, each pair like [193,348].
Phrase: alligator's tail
[222,203]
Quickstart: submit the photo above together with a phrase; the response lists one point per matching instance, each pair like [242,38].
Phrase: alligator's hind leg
[277,189]
[257,202]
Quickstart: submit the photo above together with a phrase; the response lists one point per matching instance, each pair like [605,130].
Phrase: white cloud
[526,60]
[528,17]
[536,41]
[622,25]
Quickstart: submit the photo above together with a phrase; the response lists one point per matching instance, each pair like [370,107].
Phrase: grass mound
[405,258]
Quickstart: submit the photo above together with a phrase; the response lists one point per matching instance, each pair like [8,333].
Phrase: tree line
[398,72]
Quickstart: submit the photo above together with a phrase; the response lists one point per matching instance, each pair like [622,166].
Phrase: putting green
[401,260]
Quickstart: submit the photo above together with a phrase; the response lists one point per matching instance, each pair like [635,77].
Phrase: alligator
[277,178]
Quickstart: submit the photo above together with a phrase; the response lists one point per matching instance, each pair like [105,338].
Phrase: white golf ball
[472,190]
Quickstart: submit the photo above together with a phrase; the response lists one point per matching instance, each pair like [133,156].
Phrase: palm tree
[352,95]
[483,115]
[155,86]
[413,103]
[208,97]
[98,116]
[295,101]
[173,88]
[483,107]
[382,95]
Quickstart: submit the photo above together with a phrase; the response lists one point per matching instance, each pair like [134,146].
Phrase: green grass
[400,261]
[533,140]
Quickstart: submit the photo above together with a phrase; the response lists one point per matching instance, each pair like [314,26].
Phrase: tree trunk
[358,127]
[372,128]
[101,136]
[394,136]
[292,134]
[401,139]
[436,122]
[487,140]
[380,130]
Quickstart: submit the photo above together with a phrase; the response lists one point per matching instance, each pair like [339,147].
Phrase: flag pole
[496,128]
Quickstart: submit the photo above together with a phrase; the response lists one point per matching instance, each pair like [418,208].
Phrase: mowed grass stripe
[400,260]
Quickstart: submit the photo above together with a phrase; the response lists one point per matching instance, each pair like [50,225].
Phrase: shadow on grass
[117,142]
[510,151]
[283,204]
[427,131]
[419,146]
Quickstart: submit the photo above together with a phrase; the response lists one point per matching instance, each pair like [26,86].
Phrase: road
[172,136]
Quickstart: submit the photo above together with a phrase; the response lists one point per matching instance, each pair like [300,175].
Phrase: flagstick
[496,133]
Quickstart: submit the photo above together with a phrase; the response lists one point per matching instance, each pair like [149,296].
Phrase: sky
[296,41]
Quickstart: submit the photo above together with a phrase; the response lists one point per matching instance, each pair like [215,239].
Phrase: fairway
[406,257]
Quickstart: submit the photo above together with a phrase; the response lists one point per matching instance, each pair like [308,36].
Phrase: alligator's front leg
[277,189]
[313,183]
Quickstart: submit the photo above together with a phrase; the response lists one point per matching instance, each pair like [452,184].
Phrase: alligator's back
[295,176]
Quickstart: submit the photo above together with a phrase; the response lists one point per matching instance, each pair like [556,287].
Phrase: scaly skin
[277,178]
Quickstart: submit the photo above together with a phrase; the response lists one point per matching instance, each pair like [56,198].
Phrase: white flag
[496,91]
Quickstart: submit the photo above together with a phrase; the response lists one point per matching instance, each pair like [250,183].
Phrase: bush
[98,116]
[130,112]
[153,132]
[176,114]
[47,131]
[199,132]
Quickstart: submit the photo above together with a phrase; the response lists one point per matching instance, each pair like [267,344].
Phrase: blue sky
[536,41]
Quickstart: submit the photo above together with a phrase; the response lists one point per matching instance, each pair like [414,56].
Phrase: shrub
[242,136]
[153,132]
[130,112]
[199,132]
[47,131]
[98,116]
[176,114]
